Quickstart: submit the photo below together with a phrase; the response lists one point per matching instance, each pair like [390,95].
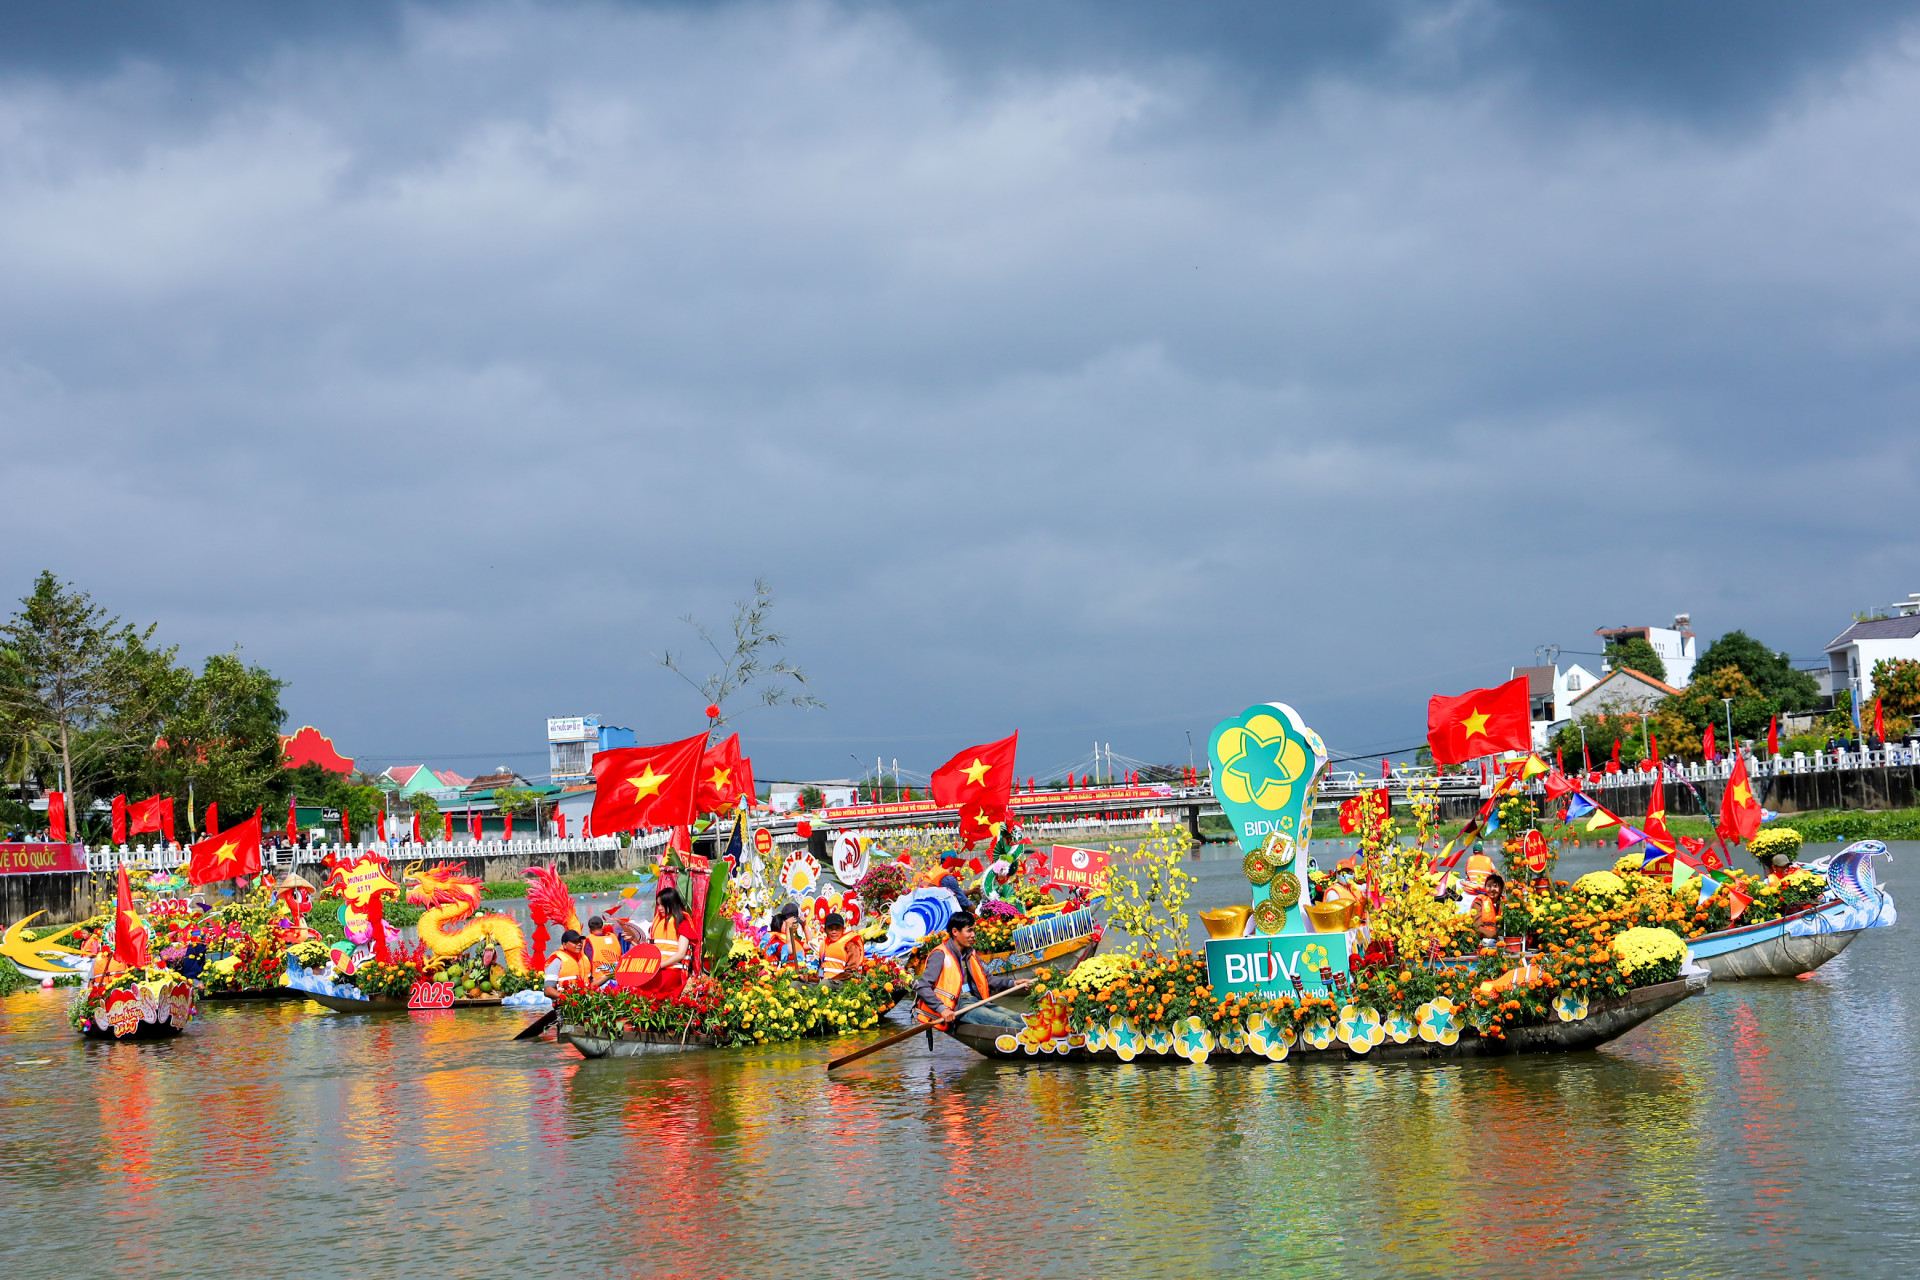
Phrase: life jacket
[948,983]
[931,877]
[606,953]
[839,953]
[573,970]
[1479,867]
[666,932]
[1485,912]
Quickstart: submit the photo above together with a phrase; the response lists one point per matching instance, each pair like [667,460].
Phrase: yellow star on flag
[648,783]
[226,849]
[1475,723]
[1742,794]
[975,772]
[721,777]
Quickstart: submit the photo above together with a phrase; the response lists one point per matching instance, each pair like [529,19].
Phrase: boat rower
[569,970]
[1479,867]
[952,971]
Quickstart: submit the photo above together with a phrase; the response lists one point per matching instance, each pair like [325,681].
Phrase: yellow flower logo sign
[1260,763]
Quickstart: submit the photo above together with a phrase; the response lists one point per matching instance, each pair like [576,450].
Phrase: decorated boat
[146,1002]
[1801,941]
[1315,968]
[629,1043]
[1438,1029]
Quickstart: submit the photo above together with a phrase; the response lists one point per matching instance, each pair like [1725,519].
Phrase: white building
[1676,645]
[1623,691]
[1852,653]
[784,797]
[1549,691]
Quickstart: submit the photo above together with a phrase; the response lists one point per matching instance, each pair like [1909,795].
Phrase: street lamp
[1729,702]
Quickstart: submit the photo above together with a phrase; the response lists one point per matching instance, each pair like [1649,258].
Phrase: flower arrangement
[1774,842]
[1648,956]
[1147,889]
[883,882]
[1600,884]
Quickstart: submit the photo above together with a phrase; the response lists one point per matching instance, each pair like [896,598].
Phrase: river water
[1766,1129]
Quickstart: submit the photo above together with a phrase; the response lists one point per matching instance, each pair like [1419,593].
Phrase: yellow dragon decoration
[449,927]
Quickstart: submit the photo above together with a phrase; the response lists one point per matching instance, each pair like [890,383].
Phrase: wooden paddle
[539,1024]
[917,1028]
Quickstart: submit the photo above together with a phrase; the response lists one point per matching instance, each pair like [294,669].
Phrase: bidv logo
[1266,827]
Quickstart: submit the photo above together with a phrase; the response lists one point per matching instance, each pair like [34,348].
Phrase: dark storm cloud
[1096,375]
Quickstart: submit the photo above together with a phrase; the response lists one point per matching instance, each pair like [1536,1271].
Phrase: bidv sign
[1266,967]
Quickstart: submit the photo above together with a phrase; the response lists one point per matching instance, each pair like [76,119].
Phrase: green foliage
[1636,652]
[1682,719]
[1772,673]
[516,800]
[812,798]
[80,693]
[222,736]
[1601,731]
[428,810]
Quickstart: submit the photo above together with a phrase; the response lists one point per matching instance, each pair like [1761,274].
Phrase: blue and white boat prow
[1805,940]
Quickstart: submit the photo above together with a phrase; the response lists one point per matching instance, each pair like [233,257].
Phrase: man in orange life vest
[603,947]
[955,978]
[569,970]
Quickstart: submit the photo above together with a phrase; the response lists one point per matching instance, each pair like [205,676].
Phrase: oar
[539,1024]
[917,1028]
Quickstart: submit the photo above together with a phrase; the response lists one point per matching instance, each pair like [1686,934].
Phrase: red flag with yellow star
[1739,811]
[978,782]
[721,773]
[234,852]
[646,786]
[1479,722]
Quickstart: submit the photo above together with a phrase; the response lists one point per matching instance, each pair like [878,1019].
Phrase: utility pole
[1730,745]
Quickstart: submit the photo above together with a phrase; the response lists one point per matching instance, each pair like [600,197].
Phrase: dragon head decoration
[441,885]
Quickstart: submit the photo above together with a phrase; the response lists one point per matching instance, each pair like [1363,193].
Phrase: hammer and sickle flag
[637,787]
[234,852]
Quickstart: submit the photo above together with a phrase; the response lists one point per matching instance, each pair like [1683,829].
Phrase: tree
[1896,682]
[81,690]
[427,809]
[1682,720]
[1636,652]
[220,743]
[1772,673]
[517,801]
[748,663]
[812,798]
[1601,732]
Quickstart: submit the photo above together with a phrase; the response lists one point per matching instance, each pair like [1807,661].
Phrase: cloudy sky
[1093,370]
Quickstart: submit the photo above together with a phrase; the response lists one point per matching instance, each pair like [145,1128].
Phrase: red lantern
[713,711]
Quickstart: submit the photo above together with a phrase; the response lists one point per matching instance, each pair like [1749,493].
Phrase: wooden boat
[145,1031]
[1803,941]
[382,1004]
[263,995]
[1604,1021]
[634,1044]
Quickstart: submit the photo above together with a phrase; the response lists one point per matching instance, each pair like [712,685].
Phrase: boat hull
[1604,1023]
[269,995]
[384,1004]
[1783,948]
[634,1044]
[144,1031]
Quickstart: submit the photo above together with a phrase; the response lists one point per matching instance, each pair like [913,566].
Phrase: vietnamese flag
[1879,724]
[129,932]
[416,828]
[1657,832]
[646,786]
[293,823]
[1480,722]
[1706,743]
[720,775]
[446,827]
[749,792]
[509,836]
[979,783]
[560,824]
[213,818]
[1773,735]
[1739,811]
[57,816]
[152,814]
[473,823]
[346,826]
[227,856]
